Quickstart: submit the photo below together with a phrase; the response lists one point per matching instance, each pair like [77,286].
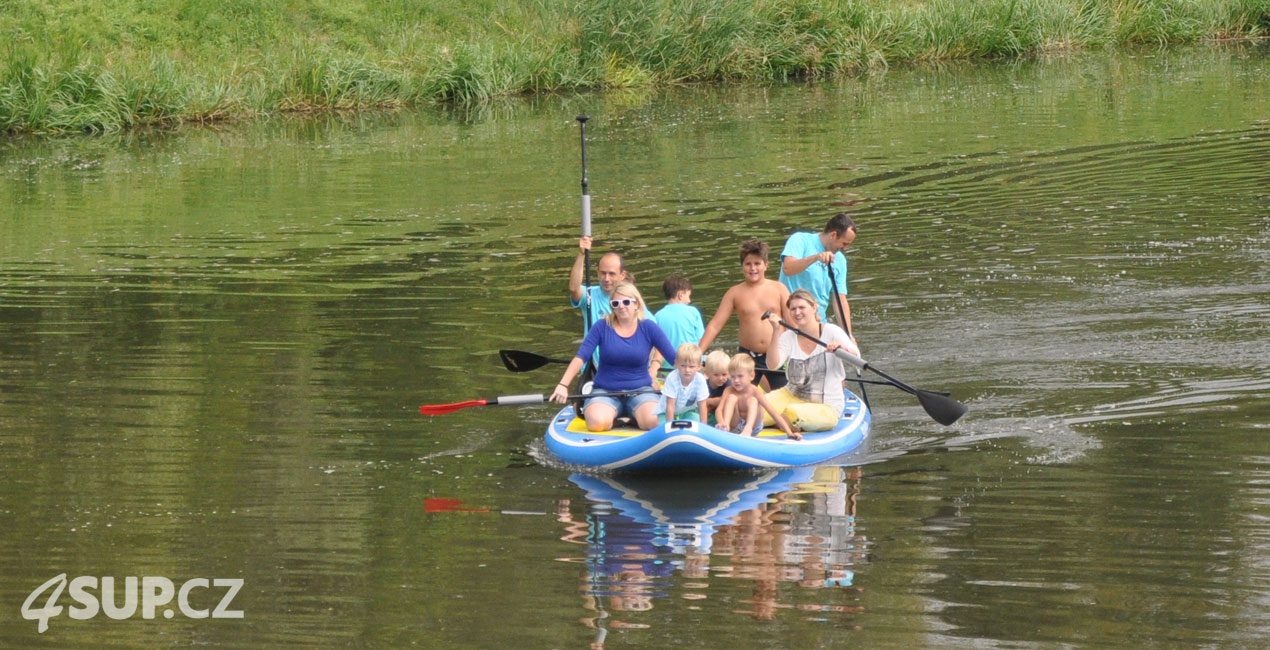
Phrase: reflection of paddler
[810,546]
[832,499]
[757,544]
[625,566]
[623,557]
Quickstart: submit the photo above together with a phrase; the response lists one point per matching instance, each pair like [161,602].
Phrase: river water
[214,344]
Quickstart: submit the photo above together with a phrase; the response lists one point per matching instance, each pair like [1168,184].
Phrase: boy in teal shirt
[679,319]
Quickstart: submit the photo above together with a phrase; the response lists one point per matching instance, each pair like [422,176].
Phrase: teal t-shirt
[599,305]
[816,277]
[682,324]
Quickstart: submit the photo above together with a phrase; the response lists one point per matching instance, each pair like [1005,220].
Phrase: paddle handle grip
[513,400]
[851,359]
[586,193]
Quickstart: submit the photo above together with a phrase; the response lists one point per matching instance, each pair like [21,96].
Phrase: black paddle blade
[943,409]
[521,361]
[517,361]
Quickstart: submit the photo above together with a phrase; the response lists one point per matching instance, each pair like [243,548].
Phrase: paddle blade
[943,409]
[442,409]
[448,505]
[520,361]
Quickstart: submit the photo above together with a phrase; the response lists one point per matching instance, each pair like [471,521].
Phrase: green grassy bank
[88,65]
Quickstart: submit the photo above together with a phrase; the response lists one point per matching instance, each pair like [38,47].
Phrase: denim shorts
[625,405]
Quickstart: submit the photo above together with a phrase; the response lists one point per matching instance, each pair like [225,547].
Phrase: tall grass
[84,65]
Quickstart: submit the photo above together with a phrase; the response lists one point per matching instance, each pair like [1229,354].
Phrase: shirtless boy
[744,403]
[750,300]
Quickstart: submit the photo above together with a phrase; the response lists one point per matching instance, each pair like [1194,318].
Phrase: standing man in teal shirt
[805,264]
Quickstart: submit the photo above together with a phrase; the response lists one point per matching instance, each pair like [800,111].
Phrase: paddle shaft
[588,371]
[852,359]
[837,299]
[840,353]
[842,314]
[586,228]
[514,400]
[854,380]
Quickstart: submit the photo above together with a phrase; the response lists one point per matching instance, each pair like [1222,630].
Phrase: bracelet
[563,384]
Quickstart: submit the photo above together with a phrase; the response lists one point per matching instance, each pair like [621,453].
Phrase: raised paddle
[589,372]
[940,407]
[842,313]
[521,361]
[511,400]
[586,229]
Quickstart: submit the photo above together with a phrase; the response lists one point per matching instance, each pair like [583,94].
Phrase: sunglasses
[624,302]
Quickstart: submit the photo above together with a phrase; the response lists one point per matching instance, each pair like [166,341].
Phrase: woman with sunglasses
[626,340]
[813,399]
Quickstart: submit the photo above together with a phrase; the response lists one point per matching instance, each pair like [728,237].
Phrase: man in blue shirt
[805,264]
[610,271]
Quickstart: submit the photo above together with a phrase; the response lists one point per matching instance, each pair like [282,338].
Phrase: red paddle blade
[442,409]
[448,505]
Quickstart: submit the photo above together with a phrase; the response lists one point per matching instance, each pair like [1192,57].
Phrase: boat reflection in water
[675,540]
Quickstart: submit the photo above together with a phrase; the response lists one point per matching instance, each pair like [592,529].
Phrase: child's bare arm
[702,412]
[780,419]
[670,409]
[784,425]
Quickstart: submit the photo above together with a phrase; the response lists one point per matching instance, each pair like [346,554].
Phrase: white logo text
[94,596]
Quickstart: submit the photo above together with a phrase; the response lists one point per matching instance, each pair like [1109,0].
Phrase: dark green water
[213,346]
